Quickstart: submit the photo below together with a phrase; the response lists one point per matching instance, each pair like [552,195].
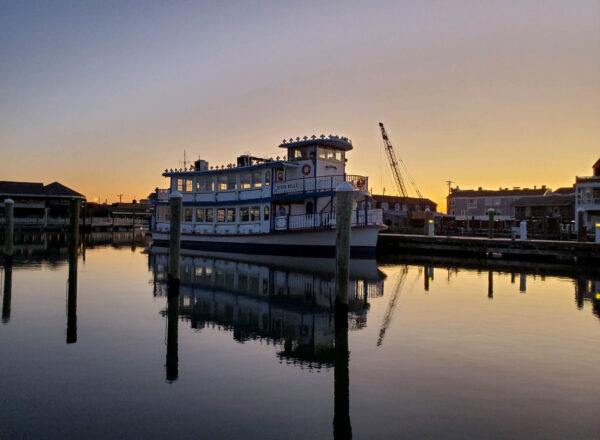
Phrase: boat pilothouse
[269,206]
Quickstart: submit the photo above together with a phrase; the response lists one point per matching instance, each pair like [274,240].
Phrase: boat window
[256,179]
[255,213]
[180,185]
[222,182]
[266,213]
[267,178]
[300,153]
[244,214]
[231,181]
[200,215]
[208,215]
[188,215]
[204,184]
[339,156]
[231,215]
[220,215]
[246,180]
[189,185]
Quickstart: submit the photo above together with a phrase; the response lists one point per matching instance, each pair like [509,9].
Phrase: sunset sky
[103,96]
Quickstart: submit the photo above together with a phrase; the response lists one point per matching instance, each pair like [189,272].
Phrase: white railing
[371,217]
[318,184]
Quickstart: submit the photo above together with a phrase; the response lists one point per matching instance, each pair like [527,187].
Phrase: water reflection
[7,291]
[289,303]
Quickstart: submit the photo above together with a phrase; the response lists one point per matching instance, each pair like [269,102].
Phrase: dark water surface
[436,350]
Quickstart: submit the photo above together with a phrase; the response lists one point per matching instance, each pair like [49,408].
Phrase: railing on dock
[319,184]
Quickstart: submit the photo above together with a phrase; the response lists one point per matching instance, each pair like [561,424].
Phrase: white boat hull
[320,243]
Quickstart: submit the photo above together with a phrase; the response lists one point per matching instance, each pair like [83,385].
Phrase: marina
[428,339]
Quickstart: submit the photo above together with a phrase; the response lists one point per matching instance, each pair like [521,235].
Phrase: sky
[103,96]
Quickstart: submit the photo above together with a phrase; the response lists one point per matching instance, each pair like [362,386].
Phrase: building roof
[337,142]
[55,189]
[597,164]
[549,200]
[58,189]
[565,191]
[515,192]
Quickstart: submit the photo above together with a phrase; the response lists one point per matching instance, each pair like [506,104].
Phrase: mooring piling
[344,200]
[9,231]
[597,227]
[491,214]
[175,206]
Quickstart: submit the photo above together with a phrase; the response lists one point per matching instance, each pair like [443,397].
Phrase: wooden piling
[175,205]
[74,209]
[9,231]
[491,213]
[344,201]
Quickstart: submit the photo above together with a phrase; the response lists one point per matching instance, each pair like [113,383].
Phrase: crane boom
[395,166]
[393,162]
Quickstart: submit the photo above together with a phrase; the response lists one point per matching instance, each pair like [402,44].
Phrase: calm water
[436,350]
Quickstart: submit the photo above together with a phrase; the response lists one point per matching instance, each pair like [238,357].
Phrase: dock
[552,251]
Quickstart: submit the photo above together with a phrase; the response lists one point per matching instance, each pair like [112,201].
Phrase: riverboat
[264,206]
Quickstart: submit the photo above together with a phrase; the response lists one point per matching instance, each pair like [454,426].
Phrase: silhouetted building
[559,204]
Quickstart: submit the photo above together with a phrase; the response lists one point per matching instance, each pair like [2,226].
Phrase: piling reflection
[7,291]
[72,298]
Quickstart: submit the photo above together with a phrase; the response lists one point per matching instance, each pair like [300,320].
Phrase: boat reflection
[289,303]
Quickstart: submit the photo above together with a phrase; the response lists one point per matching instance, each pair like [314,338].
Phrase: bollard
[491,213]
[523,231]
[175,205]
[9,231]
[597,227]
[344,200]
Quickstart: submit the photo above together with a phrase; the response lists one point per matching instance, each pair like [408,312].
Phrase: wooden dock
[566,252]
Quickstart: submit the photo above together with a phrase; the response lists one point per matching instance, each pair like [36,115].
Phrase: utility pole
[450,182]
[120,196]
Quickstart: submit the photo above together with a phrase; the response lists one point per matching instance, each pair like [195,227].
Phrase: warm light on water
[436,353]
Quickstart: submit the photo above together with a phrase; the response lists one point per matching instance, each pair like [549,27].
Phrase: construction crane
[395,166]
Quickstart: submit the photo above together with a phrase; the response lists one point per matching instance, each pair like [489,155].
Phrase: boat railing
[371,217]
[319,184]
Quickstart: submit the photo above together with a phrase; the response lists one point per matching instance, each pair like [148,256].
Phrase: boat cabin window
[246,180]
[188,215]
[256,179]
[255,213]
[204,184]
[231,215]
[266,213]
[200,215]
[331,154]
[222,182]
[244,214]
[231,181]
[180,185]
[267,178]
[189,185]
[301,153]
[208,215]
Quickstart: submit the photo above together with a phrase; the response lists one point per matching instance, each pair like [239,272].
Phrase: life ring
[306,169]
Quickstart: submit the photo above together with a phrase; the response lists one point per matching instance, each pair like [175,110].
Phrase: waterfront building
[475,204]
[37,204]
[401,211]
[559,204]
[587,198]
[258,205]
